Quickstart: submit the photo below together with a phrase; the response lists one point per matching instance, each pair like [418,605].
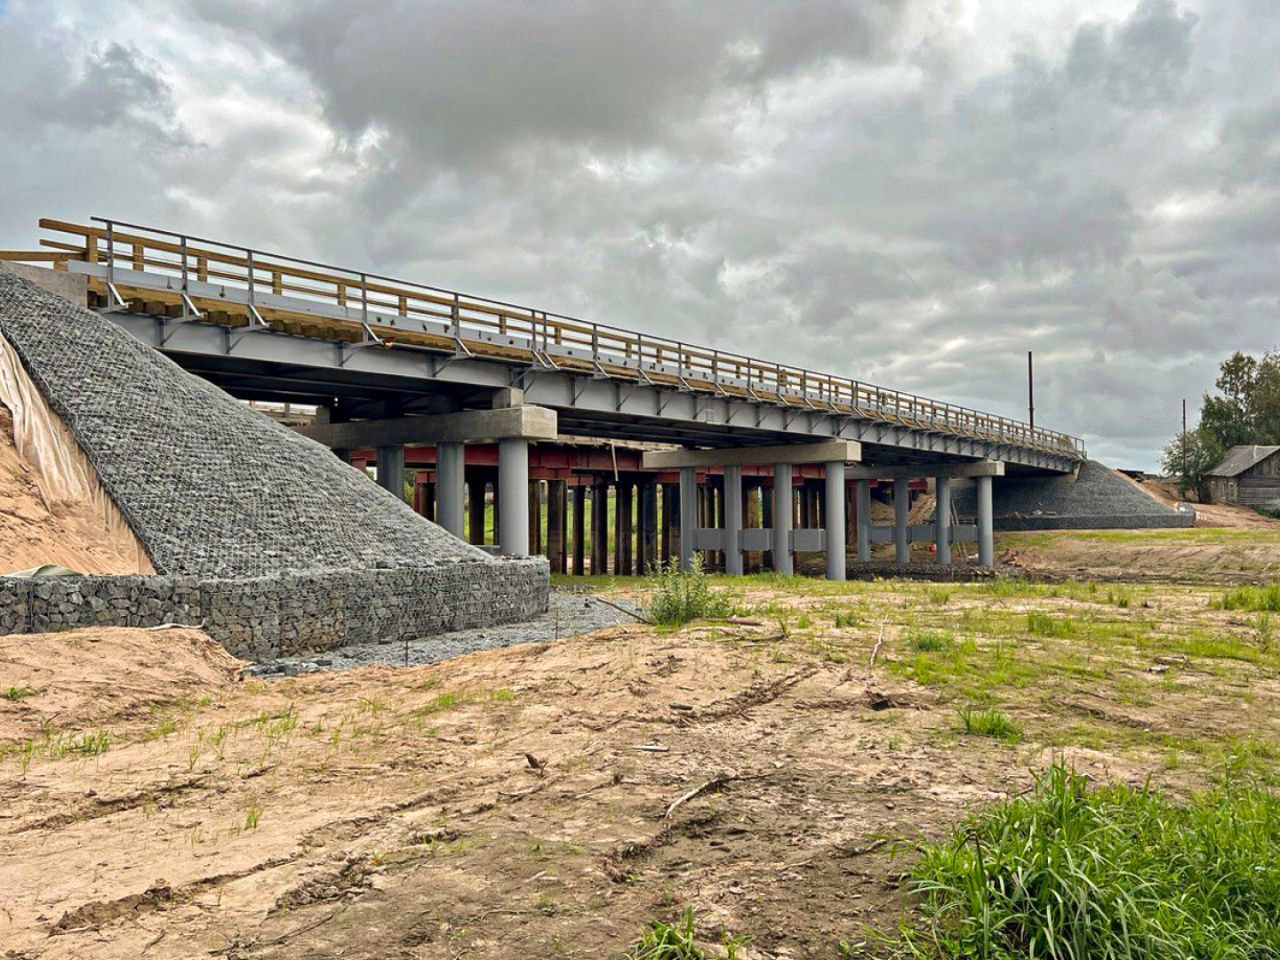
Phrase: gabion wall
[280,615]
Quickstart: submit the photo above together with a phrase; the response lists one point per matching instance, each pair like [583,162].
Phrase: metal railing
[199,274]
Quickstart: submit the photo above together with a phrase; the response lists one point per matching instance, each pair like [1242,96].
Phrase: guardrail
[199,274]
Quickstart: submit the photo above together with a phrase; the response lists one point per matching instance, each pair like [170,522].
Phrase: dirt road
[548,800]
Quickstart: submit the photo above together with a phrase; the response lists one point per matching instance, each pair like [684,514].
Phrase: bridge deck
[202,282]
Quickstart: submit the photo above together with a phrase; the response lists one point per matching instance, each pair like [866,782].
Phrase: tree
[1247,407]
[1189,457]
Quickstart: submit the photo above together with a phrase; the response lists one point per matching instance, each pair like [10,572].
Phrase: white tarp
[60,470]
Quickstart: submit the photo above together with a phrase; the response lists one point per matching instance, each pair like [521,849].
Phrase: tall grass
[990,723]
[678,596]
[1254,599]
[1117,873]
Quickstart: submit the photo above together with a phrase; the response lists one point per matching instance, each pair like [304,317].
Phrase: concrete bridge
[393,365]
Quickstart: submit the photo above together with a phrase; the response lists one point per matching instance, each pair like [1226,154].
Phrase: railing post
[455,312]
[364,299]
[111,254]
[249,260]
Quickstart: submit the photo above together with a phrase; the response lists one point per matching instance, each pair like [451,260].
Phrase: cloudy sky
[912,193]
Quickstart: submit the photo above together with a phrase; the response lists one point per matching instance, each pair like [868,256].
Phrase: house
[1248,475]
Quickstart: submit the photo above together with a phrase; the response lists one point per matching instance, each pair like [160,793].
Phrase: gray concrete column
[986,536]
[942,519]
[862,523]
[450,471]
[901,532]
[834,510]
[732,520]
[688,515]
[391,470]
[782,495]
[513,497]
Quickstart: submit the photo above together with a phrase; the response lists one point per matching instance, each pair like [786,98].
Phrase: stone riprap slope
[1096,498]
[257,533]
[210,487]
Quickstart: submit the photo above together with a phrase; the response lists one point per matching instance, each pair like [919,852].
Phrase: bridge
[392,364]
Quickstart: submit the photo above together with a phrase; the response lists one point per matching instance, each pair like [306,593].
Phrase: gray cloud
[913,192]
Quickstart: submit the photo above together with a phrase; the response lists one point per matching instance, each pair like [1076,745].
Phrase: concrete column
[450,473]
[475,510]
[579,548]
[782,508]
[513,497]
[391,470]
[626,529]
[942,519]
[901,533]
[862,521]
[986,535]
[834,511]
[688,515]
[732,520]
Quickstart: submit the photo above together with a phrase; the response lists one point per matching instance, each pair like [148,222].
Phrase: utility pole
[1184,439]
[1031,392]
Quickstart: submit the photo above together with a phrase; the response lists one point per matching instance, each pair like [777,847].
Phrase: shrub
[679,596]
[1253,599]
[928,641]
[1120,872]
[990,723]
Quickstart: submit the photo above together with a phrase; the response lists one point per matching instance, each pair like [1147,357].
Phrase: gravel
[569,614]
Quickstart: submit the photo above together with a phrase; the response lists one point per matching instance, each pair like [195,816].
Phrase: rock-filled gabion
[210,487]
[265,617]
[259,534]
[1097,498]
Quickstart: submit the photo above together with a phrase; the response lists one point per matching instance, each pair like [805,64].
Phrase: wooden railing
[235,284]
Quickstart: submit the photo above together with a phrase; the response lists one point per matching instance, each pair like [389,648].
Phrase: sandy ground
[523,802]
[71,535]
[1222,515]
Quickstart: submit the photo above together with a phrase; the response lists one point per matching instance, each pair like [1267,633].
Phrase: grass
[678,597]
[990,723]
[1252,599]
[676,941]
[1119,873]
[17,693]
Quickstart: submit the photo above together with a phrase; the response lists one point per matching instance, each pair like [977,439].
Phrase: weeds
[680,596]
[1251,599]
[990,723]
[928,641]
[252,817]
[675,941]
[17,693]
[1043,625]
[1119,872]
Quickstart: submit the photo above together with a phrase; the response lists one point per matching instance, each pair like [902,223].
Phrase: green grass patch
[990,723]
[677,941]
[928,641]
[17,693]
[1118,873]
[1041,624]
[1252,599]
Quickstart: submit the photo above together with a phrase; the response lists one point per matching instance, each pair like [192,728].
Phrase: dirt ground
[548,800]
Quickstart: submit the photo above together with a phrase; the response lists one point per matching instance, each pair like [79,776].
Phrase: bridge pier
[901,532]
[942,531]
[391,469]
[450,474]
[783,511]
[986,536]
[513,496]
[835,503]
[728,534]
[942,519]
[862,520]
